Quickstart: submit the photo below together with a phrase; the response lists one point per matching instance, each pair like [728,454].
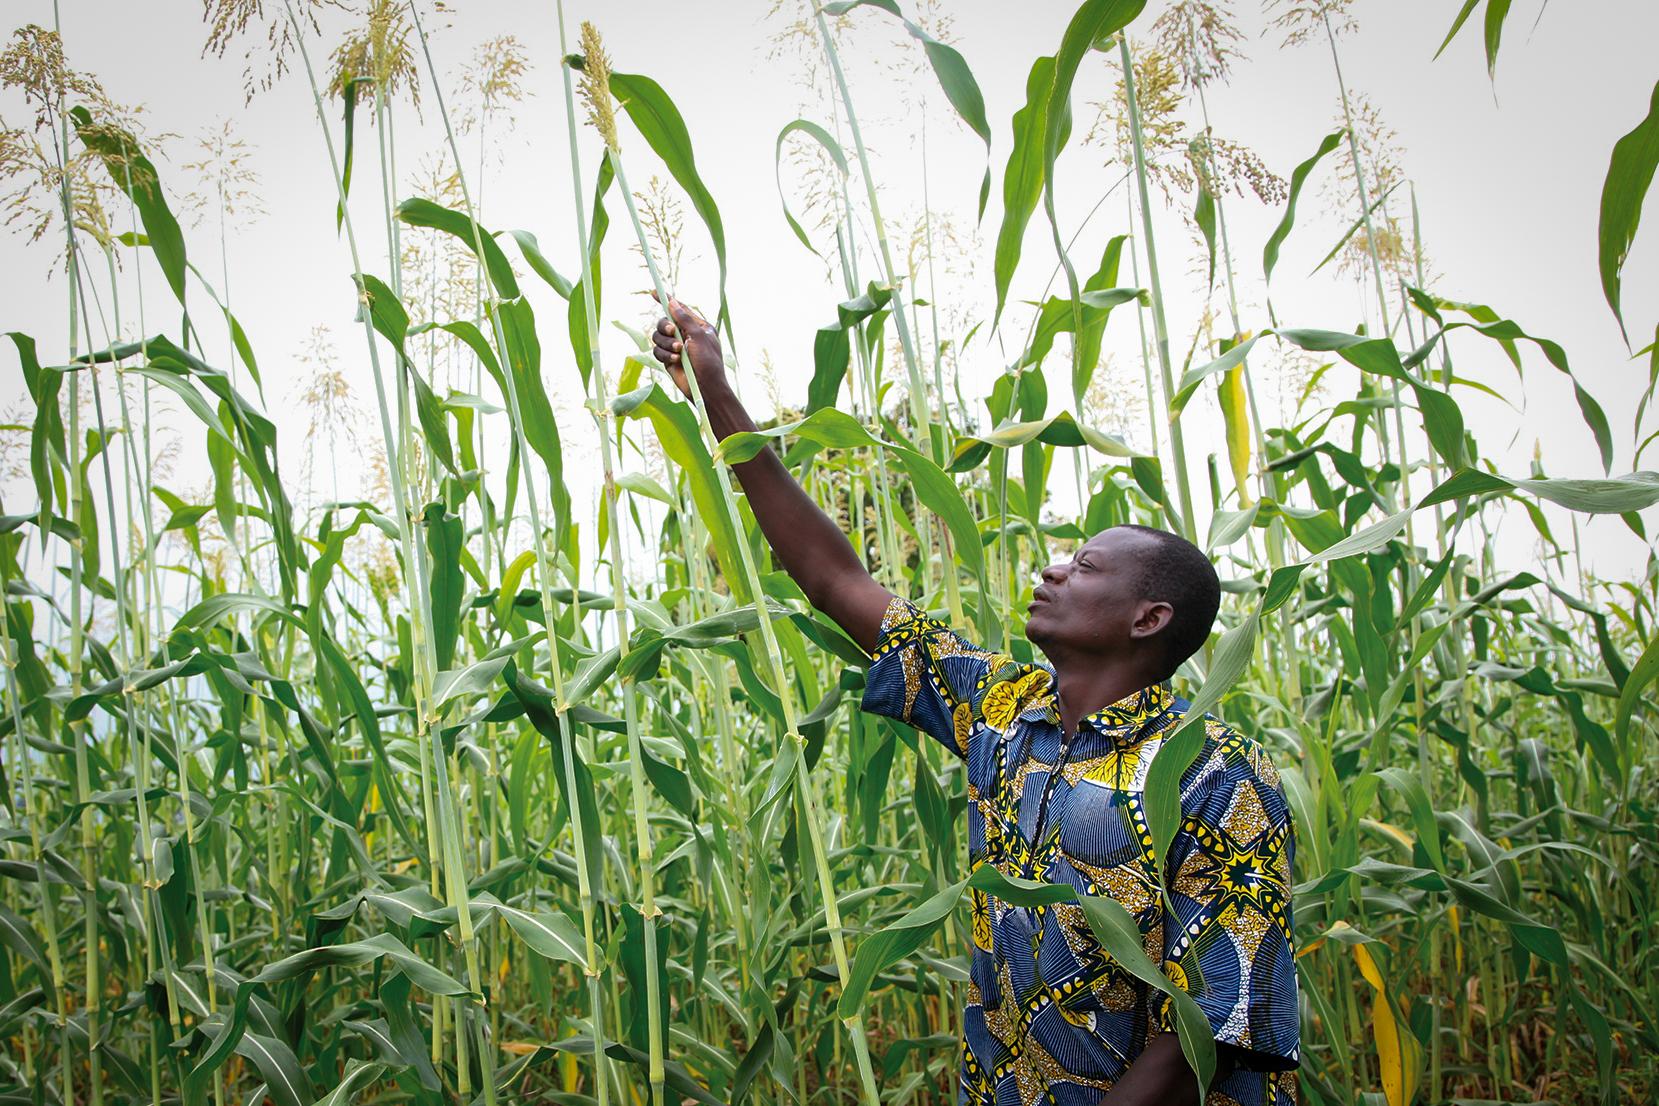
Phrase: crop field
[477,750]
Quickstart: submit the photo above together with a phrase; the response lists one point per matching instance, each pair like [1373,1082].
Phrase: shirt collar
[1125,717]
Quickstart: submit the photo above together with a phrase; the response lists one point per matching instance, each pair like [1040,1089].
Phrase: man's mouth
[1040,596]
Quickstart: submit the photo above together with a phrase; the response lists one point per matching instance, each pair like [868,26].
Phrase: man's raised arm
[806,542]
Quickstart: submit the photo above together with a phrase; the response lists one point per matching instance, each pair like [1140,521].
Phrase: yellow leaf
[1397,1052]
[1236,412]
[1395,833]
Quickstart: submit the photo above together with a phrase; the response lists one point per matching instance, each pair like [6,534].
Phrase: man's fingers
[684,317]
[666,348]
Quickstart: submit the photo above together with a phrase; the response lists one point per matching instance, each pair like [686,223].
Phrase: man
[1057,759]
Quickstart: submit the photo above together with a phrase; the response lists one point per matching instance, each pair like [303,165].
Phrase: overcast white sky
[1508,177]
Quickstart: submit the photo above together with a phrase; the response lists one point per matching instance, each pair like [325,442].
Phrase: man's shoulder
[1229,757]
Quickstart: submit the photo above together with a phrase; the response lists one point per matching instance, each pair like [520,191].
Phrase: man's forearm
[806,541]
[1160,1075]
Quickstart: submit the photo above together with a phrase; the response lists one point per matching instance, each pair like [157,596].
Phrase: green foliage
[432,799]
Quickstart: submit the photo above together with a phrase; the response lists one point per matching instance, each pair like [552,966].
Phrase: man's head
[1127,590]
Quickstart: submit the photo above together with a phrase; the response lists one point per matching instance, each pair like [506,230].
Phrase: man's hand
[805,541]
[670,339]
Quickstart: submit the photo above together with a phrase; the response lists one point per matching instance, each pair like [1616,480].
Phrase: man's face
[1090,604]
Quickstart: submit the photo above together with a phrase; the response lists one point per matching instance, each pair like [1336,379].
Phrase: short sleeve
[925,675]
[1228,937]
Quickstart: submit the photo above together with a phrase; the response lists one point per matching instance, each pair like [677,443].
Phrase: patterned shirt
[1050,1017]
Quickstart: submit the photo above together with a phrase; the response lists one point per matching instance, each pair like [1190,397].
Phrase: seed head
[596,85]
[1303,19]
[34,63]
[378,49]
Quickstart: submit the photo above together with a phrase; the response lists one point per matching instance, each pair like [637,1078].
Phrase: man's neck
[1084,684]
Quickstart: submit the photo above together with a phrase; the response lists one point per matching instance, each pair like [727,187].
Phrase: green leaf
[531,249]
[1457,25]
[838,430]
[1496,12]
[955,78]
[1192,378]
[1117,933]
[832,347]
[548,933]
[210,610]
[541,429]
[279,1067]
[1629,174]
[19,936]
[348,94]
[659,121]
[471,679]
[424,213]
[358,1075]
[380,946]
[676,427]
[388,317]
[583,334]
[135,176]
[1022,178]
[445,543]
[1094,23]
[1635,491]
[634,951]
[1508,333]
[1099,297]
[1646,669]
[823,138]
[1298,178]
[893,943]
[1203,216]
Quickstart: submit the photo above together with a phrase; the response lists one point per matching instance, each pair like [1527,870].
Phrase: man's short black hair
[1177,572]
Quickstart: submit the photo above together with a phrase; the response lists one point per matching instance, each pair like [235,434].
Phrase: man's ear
[1152,617]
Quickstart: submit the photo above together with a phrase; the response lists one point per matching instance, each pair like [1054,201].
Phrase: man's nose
[1053,574]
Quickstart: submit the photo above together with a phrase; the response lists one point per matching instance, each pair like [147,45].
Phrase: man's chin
[1034,629]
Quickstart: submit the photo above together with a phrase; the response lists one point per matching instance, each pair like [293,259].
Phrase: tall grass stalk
[918,390]
[794,742]
[445,826]
[1188,525]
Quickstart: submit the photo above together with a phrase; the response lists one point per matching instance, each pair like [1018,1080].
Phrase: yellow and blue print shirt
[1050,1017]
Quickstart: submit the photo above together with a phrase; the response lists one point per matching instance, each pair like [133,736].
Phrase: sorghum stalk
[1140,323]
[426,717]
[33,815]
[794,742]
[1370,234]
[77,581]
[158,948]
[918,391]
[1160,328]
[599,405]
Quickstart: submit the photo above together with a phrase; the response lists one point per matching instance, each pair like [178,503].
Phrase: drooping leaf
[1629,175]
[660,123]
[831,147]
[832,347]
[135,175]
[1022,178]
[955,78]
[1298,178]
[418,212]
